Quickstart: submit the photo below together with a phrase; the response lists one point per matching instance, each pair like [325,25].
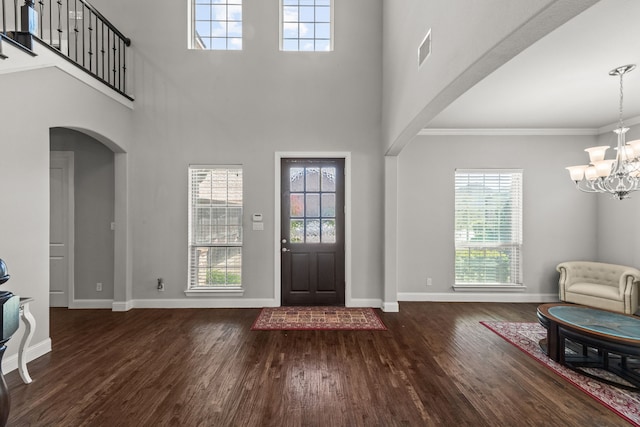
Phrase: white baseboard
[33,352]
[91,303]
[202,303]
[390,307]
[477,297]
[364,302]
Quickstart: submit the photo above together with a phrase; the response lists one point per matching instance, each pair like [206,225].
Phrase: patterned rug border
[572,377]
[374,323]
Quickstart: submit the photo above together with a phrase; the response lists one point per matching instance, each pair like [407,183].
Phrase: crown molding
[511,132]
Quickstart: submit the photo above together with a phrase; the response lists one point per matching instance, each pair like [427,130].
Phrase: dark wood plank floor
[435,366]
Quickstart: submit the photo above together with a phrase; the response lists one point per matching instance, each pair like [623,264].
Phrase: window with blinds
[488,227]
[215,227]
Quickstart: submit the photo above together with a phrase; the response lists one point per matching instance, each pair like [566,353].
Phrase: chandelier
[619,176]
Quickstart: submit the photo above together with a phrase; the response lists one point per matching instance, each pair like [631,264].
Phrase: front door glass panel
[312,204]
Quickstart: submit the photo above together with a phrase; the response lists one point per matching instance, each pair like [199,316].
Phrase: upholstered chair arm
[562,268]
[629,279]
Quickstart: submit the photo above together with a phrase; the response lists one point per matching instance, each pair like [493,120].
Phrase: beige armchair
[601,285]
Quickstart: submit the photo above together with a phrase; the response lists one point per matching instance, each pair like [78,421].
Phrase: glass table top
[604,322]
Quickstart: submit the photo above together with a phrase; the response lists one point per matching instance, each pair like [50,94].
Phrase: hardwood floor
[435,366]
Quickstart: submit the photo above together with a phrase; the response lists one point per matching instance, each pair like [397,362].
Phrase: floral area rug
[318,318]
[526,336]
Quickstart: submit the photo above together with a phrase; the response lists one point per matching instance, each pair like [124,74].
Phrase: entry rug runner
[318,318]
[526,337]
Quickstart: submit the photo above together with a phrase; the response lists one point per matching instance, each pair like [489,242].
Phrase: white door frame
[279,155]
[68,158]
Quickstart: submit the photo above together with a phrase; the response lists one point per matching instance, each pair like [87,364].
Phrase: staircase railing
[74,29]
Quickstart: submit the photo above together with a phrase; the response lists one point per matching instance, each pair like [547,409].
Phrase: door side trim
[68,158]
[279,155]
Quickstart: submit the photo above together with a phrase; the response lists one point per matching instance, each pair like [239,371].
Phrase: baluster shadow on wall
[75,30]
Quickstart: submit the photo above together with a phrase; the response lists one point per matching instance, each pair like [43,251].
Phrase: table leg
[30,326]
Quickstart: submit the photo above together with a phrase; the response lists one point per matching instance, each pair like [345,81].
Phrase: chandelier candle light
[619,176]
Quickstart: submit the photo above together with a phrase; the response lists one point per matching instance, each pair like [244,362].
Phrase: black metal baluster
[15,17]
[4,19]
[68,32]
[124,68]
[40,15]
[60,25]
[84,47]
[50,24]
[114,59]
[75,29]
[90,28]
[102,50]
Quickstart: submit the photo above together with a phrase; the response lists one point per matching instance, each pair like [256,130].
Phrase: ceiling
[562,81]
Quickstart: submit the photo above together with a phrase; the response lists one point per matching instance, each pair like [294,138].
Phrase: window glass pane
[296,231]
[290,31]
[312,232]
[289,44]
[323,45]
[296,203]
[306,14]
[329,179]
[323,14]
[328,205]
[203,28]
[328,231]
[323,31]
[313,23]
[290,14]
[312,179]
[218,25]
[296,179]
[313,205]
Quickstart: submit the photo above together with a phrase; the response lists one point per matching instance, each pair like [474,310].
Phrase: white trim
[631,121]
[366,302]
[205,303]
[238,292]
[489,288]
[346,155]
[510,132]
[390,307]
[33,352]
[122,305]
[477,297]
[68,157]
[91,303]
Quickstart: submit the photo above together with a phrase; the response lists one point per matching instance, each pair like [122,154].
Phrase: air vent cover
[425,48]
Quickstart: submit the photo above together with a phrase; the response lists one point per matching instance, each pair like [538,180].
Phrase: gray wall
[559,222]
[94,209]
[216,107]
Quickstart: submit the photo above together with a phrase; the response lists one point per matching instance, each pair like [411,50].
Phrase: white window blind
[215,227]
[488,227]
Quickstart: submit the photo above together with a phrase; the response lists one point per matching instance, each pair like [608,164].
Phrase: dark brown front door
[312,240]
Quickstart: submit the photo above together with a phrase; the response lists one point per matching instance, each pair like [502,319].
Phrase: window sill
[235,291]
[489,288]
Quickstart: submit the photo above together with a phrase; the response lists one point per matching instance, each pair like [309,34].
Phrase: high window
[215,227]
[216,24]
[488,228]
[306,25]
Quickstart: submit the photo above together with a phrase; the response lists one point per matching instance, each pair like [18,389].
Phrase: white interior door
[61,229]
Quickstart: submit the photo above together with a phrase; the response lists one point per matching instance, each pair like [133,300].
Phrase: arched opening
[86,204]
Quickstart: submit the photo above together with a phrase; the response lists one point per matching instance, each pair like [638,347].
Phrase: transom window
[215,227]
[306,25]
[217,24]
[488,227]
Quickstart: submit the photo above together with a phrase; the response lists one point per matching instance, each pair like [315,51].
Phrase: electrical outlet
[99,287]
[160,285]
[429,281]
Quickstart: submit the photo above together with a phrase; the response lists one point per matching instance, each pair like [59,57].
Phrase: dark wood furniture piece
[582,337]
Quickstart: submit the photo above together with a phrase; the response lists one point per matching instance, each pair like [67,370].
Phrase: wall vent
[425,48]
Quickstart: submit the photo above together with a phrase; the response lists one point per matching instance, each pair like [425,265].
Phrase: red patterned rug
[318,318]
[526,337]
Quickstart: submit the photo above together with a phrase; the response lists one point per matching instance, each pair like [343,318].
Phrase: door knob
[285,250]
[284,240]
